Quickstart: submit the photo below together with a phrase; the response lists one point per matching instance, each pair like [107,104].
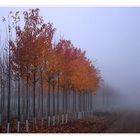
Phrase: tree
[61,70]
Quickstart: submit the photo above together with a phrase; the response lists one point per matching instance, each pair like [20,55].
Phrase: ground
[128,122]
[97,123]
[125,121]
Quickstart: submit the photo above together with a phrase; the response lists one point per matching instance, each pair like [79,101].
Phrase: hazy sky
[109,35]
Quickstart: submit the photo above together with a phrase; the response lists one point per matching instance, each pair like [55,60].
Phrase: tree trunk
[49,101]
[1,99]
[9,95]
[53,115]
[58,117]
[34,107]
[27,105]
[19,118]
[63,105]
[42,117]
[73,106]
[66,107]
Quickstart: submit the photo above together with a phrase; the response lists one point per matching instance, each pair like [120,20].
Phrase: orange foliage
[33,52]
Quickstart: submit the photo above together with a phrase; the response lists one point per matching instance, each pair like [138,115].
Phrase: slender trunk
[9,95]
[42,120]
[58,101]
[19,118]
[89,96]
[73,105]
[84,105]
[53,115]
[91,103]
[79,105]
[34,86]
[63,105]
[66,106]
[22,112]
[1,99]
[49,101]
[88,102]
[3,104]
[27,106]
[103,99]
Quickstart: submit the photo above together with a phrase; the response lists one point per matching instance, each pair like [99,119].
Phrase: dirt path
[128,122]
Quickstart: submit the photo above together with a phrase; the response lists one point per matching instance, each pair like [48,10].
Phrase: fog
[111,38]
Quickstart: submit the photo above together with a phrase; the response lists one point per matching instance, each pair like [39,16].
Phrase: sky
[110,36]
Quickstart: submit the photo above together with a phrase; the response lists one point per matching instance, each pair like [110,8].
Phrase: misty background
[110,36]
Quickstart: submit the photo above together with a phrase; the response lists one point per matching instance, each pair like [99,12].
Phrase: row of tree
[40,79]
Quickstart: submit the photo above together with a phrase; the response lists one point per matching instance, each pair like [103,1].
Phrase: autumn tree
[59,79]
